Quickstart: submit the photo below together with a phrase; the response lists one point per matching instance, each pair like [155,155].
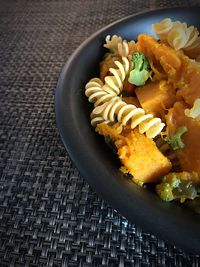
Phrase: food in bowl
[147,106]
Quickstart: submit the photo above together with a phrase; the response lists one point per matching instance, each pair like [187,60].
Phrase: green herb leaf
[175,141]
[175,188]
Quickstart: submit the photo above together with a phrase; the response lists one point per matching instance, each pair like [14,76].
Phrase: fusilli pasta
[123,49]
[112,42]
[95,92]
[148,90]
[114,83]
[98,93]
[162,28]
[179,36]
[117,110]
[116,44]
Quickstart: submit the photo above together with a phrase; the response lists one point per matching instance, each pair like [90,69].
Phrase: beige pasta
[95,92]
[112,42]
[162,28]
[117,110]
[96,115]
[118,45]
[193,50]
[99,93]
[179,36]
[192,36]
[114,82]
[123,49]
[97,119]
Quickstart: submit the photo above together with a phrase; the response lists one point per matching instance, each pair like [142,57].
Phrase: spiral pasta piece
[114,82]
[118,45]
[95,92]
[162,28]
[192,36]
[96,115]
[96,120]
[112,42]
[117,110]
[123,49]
[98,93]
[193,50]
[179,36]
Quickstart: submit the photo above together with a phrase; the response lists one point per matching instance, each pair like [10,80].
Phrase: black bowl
[95,161]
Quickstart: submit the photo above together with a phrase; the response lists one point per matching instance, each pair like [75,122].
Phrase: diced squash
[190,81]
[142,159]
[156,97]
[174,78]
[139,155]
[114,132]
[189,156]
[180,70]
[167,56]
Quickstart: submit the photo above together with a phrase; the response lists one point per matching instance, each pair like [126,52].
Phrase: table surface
[49,216]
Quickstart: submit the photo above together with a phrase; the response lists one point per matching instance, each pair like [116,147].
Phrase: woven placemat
[49,216]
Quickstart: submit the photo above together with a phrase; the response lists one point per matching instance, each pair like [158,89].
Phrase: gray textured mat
[49,216]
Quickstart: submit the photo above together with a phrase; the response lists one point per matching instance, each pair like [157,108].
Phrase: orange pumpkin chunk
[189,156]
[180,70]
[190,83]
[139,155]
[156,97]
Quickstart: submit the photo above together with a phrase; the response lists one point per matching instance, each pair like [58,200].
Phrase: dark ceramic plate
[96,163]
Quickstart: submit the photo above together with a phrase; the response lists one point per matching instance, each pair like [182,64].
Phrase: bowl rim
[174,238]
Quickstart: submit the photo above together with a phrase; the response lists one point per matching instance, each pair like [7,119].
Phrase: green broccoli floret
[141,71]
[172,188]
[165,189]
[175,140]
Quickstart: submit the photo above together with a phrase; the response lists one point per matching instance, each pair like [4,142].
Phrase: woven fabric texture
[49,216]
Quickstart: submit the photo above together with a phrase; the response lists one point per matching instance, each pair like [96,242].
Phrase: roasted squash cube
[139,155]
[142,159]
[189,156]
[156,97]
